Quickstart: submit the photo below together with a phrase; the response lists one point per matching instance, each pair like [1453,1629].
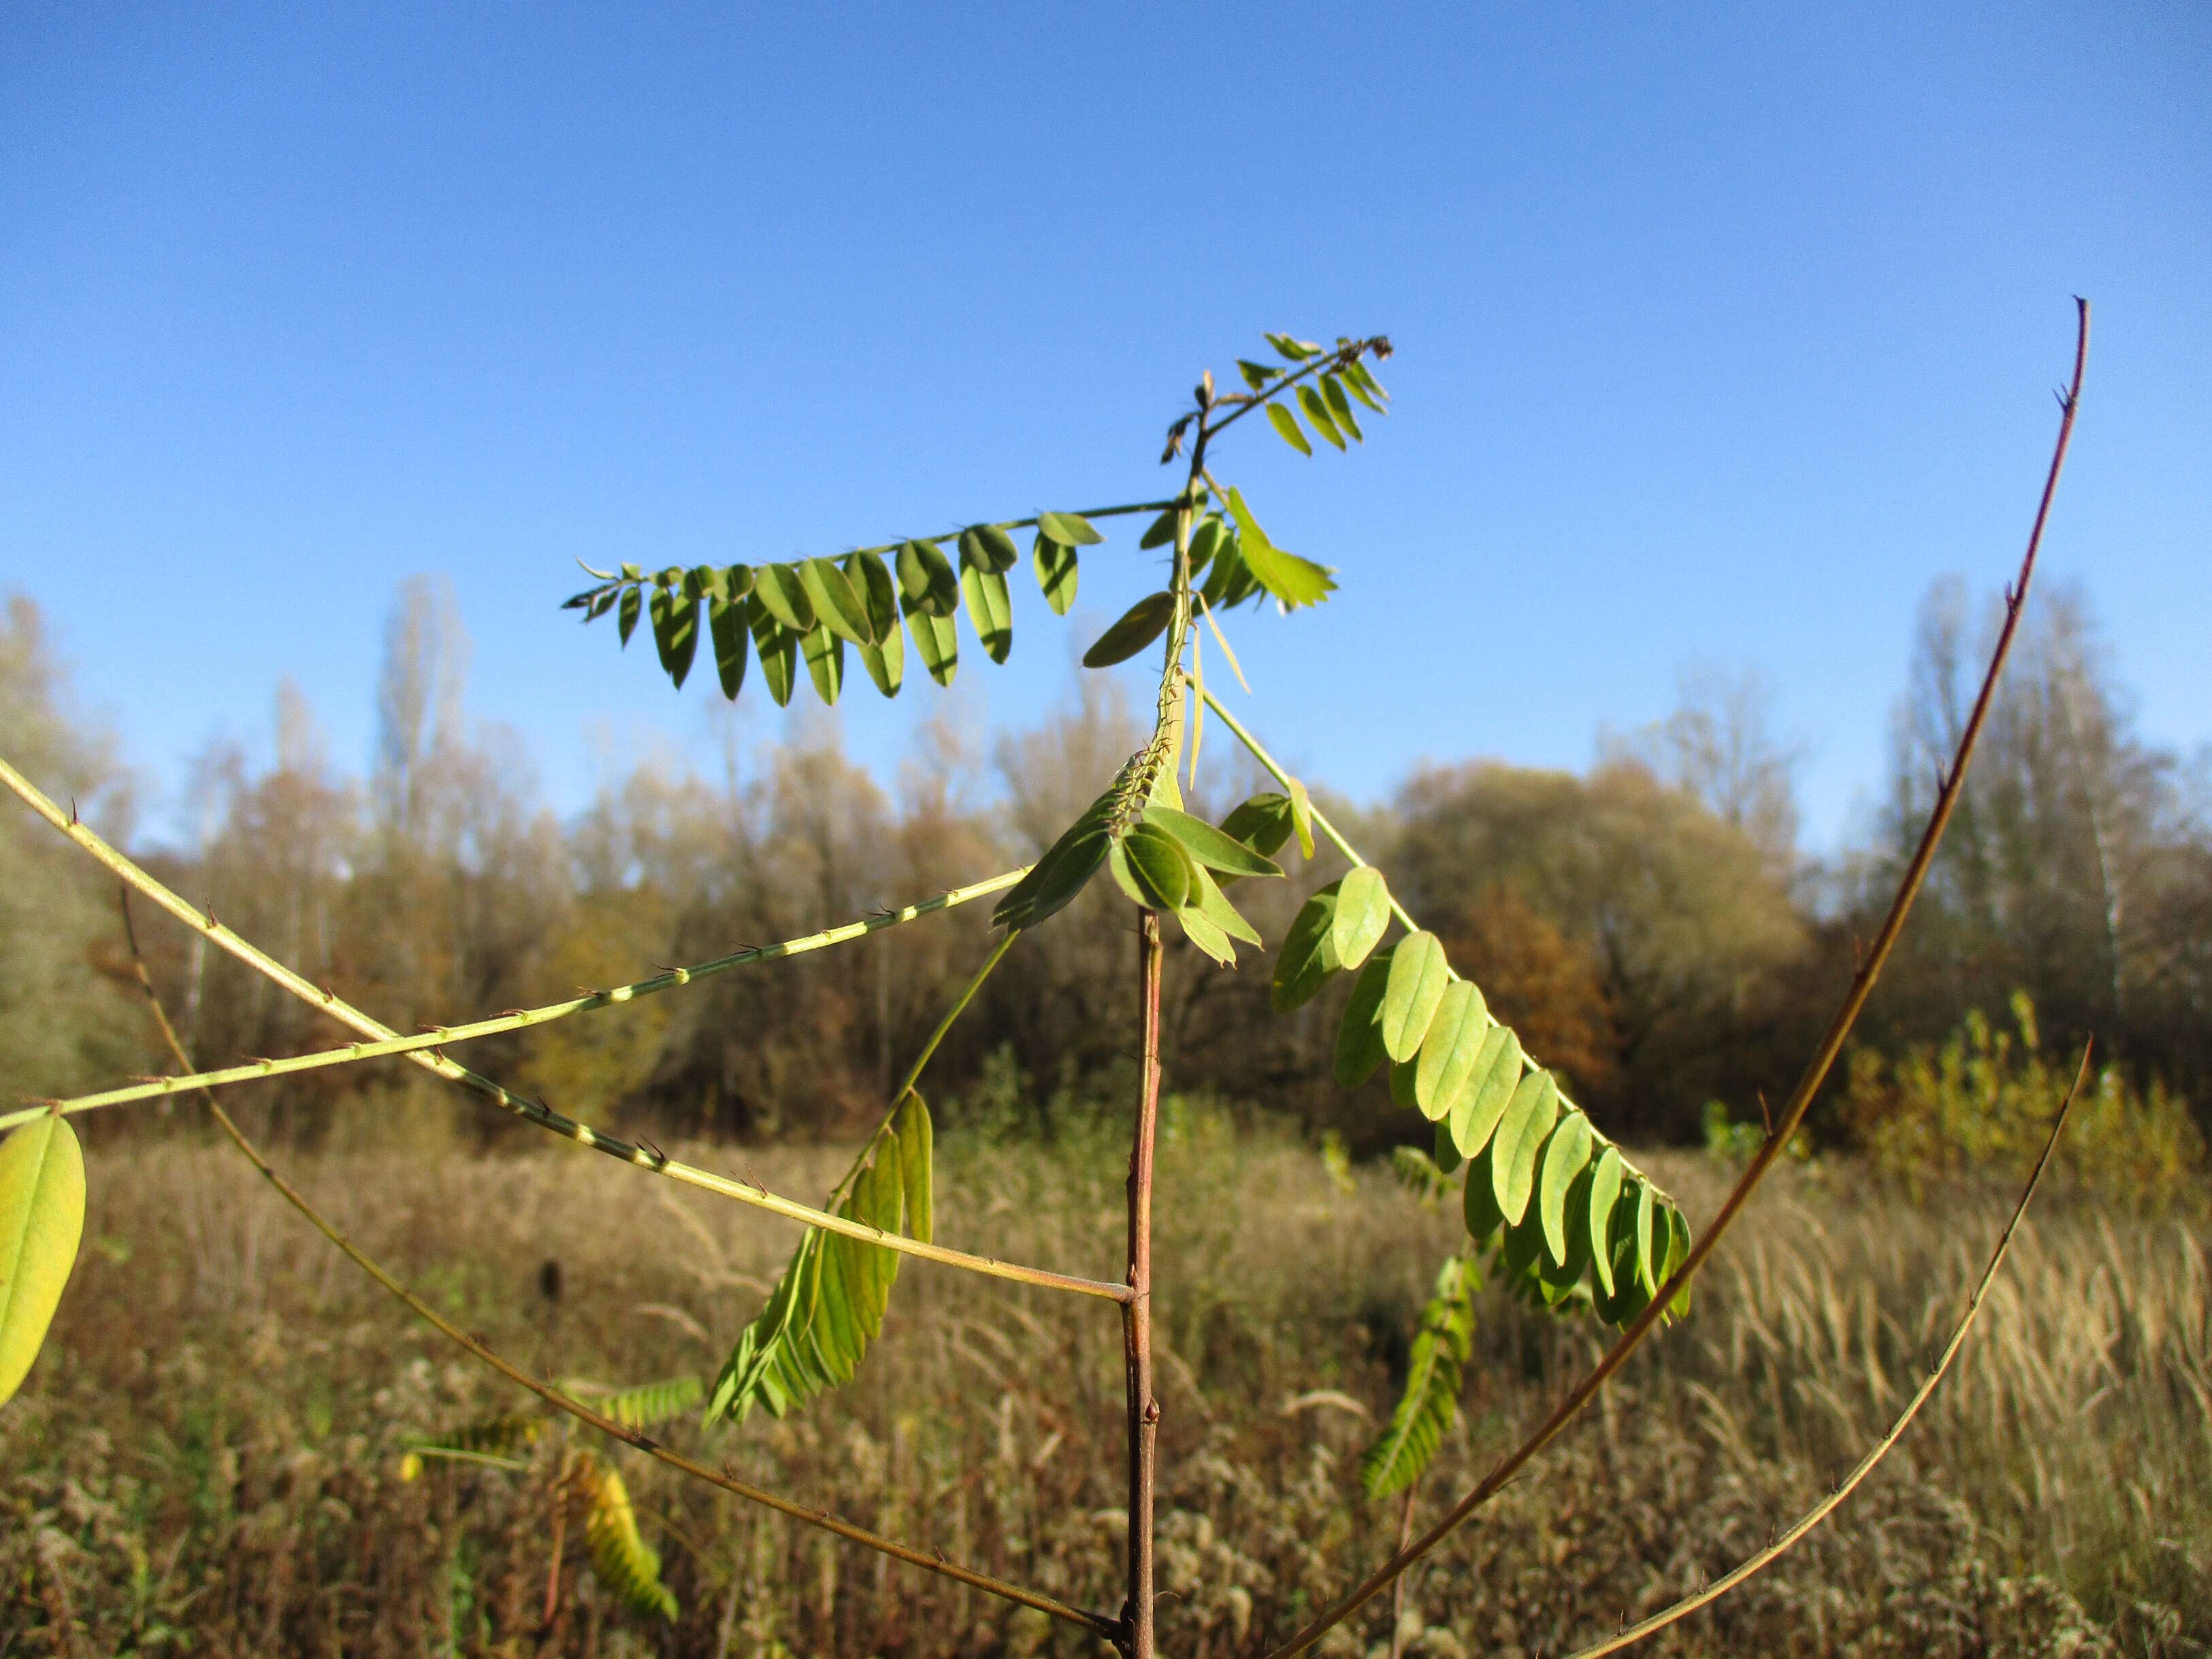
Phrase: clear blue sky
[1721,331]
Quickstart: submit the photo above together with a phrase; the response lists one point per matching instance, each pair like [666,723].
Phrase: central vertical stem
[1137,1312]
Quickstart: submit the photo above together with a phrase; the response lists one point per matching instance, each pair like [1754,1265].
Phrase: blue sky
[1721,332]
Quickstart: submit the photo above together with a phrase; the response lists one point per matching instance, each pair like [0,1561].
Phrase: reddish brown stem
[1137,1312]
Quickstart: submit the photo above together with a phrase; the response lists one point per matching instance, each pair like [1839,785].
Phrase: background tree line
[1651,926]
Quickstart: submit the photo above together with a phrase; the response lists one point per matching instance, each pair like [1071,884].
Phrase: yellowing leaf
[41,1222]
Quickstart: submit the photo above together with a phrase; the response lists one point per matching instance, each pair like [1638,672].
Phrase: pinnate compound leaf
[1360,1047]
[1286,424]
[926,580]
[1139,626]
[1362,913]
[41,1222]
[1056,574]
[623,1563]
[1430,1400]
[1152,868]
[990,546]
[1418,973]
[990,609]
[1565,1155]
[648,1405]
[1068,529]
[1307,956]
[1216,849]
[1450,1049]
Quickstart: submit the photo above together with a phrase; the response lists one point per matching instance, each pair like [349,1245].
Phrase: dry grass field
[208,1458]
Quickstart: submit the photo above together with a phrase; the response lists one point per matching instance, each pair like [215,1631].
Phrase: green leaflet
[624,1562]
[1262,823]
[777,647]
[1256,375]
[1139,626]
[1307,956]
[1206,541]
[1359,1039]
[1068,529]
[837,605]
[926,580]
[1302,816]
[41,1222]
[1363,913]
[825,662]
[1056,574]
[1295,349]
[936,641]
[1489,1090]
[1446,1155]
[1206,935]
[1340,407]
[778,586]
[648,1405]
[1287,424]
[1450,1049]
[990,609]
[1431,1399]
[1317,413]
[1418,973]
[1292,580]
[675,632]
[1480,1199]
[726,620]
[1528,1118]
[917,1161]
[1605,1190]
[990,546]
[1211,902]
[1159,534]
[1402,1079]
[827,1306]
[1229,581]
[1152,869]
[885,660]
[1216,849]
[1564,1157]
[1064,871]
[626,617]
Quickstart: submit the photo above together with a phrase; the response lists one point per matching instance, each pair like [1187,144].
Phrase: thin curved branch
[929,1561]
[520,1018]
[1801,1099]
[1881,1448]
[531,1111]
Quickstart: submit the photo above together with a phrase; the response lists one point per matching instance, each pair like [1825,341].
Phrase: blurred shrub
[1984,1102]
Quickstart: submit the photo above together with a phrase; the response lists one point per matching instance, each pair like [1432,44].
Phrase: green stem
[531,1111]
[520,1018]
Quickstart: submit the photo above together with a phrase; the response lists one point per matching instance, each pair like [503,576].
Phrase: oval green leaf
[1214,848]
[1317,413]
[1152,869]
[1286,424]
[1308,956]
[1450,1049]
[1339,407]
[937,641]
[1497,1070]
[41,1223]
[1605,1192]
[777,646]
[1202,932]
[990,610]
[1362,913]
[1213,904]
[926,580]
[1055,574]
[726,620]
[1565,1155]
[778,588]
[1479,1203]
[1068,529]
[1140,625]
[825,662]
[675,632]
[1418,973]
[837,605]
[1262,823]
[1360,1046]
[1520,1134]
[990,546]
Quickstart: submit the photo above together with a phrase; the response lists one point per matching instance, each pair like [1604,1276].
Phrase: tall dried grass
[208,1456]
